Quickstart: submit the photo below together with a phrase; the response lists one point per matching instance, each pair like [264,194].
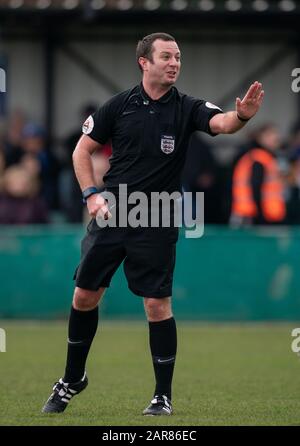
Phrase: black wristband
[242,119]
[86,193]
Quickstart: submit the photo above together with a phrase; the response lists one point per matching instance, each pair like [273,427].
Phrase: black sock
[82,329]
[163,345]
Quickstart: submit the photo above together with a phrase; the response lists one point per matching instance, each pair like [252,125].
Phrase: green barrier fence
[226,274]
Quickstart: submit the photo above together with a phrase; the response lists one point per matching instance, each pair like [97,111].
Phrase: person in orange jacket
[257,185]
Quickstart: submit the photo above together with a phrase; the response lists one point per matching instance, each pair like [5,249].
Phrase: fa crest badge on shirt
[167,144]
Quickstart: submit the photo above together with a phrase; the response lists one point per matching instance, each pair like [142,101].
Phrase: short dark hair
[145,46]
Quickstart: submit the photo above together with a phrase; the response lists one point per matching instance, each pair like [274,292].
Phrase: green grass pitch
[225,374]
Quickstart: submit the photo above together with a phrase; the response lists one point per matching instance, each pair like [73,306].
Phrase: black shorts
[148,254]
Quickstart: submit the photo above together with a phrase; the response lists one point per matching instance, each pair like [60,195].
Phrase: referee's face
[165,66]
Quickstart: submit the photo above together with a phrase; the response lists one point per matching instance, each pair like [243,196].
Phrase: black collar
[162,100]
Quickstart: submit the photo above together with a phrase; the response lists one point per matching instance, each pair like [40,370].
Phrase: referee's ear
[143,63]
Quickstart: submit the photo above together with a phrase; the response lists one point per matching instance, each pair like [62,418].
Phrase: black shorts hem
[155,295]
[106,285]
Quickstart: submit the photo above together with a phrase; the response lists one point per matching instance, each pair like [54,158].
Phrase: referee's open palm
[249,105]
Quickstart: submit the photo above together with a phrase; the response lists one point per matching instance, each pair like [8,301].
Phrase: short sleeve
[100,124]
[202,113]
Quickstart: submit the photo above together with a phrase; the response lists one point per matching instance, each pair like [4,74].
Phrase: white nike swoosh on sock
[165,360]
[74,342]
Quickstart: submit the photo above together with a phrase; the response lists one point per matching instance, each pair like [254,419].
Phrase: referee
[149,126]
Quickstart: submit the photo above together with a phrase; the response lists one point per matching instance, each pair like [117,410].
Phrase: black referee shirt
[149,138]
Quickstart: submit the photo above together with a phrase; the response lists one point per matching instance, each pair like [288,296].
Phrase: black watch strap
[243,119]
[86,193]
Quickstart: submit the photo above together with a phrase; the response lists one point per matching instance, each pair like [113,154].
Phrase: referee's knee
[85,300]
[157,309]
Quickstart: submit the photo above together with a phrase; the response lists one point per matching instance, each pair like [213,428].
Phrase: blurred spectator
[2,168]
[12,142]
[19,199]
[36,155]
[257,184]
[31,164]
[201,174]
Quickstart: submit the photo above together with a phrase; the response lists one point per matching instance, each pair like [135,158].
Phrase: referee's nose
[173,62]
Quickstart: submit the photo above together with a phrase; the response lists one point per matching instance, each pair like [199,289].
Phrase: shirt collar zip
[162,100]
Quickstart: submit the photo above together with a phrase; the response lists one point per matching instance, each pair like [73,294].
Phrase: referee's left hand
[249,105]
[98,207]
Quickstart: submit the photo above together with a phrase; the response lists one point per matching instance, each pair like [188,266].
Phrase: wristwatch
[86,193]
[242,119]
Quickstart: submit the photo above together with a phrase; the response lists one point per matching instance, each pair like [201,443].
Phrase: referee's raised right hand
[98,207]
